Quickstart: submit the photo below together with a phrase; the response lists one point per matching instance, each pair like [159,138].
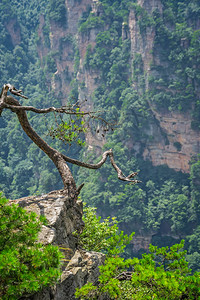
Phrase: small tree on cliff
[67,131]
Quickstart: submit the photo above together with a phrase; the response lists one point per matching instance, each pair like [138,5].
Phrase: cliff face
[181,144]
[173,142]
[65,41]
[63,219]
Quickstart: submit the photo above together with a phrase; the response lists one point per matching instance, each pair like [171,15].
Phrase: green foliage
[194,261]
[153,204]
[57,11]
[25,265]
[69,131]
[195,184]
[50,64]
[177,43]
[102,236]
[145,20]
[92,22]
[161,274]
[169,205]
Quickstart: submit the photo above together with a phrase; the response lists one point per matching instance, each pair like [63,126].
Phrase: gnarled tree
[60,160]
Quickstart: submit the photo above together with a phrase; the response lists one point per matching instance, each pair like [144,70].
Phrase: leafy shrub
[25,265]
[161,274]
[103,235]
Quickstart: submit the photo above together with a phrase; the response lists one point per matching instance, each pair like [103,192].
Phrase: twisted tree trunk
[9,102]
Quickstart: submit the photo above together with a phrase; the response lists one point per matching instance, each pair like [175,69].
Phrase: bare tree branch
[59,159]
[109,153]
[13,90]
[67,111]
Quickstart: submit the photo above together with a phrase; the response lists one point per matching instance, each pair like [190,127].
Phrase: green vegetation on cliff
[26,266]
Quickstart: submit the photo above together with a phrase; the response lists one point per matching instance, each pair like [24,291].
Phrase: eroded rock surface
[63,219]
[82,267]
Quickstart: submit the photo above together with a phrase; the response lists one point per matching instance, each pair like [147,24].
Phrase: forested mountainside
[138,62]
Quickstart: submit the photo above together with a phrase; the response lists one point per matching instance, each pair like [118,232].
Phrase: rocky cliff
[182,142]
[174,142]
[63,219]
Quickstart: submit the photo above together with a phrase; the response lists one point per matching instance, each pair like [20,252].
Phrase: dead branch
[67,111]
[107,153]
[59,159]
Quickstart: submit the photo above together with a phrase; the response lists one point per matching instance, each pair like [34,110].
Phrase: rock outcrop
[79,266]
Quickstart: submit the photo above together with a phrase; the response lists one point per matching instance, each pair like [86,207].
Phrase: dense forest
[129,89]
